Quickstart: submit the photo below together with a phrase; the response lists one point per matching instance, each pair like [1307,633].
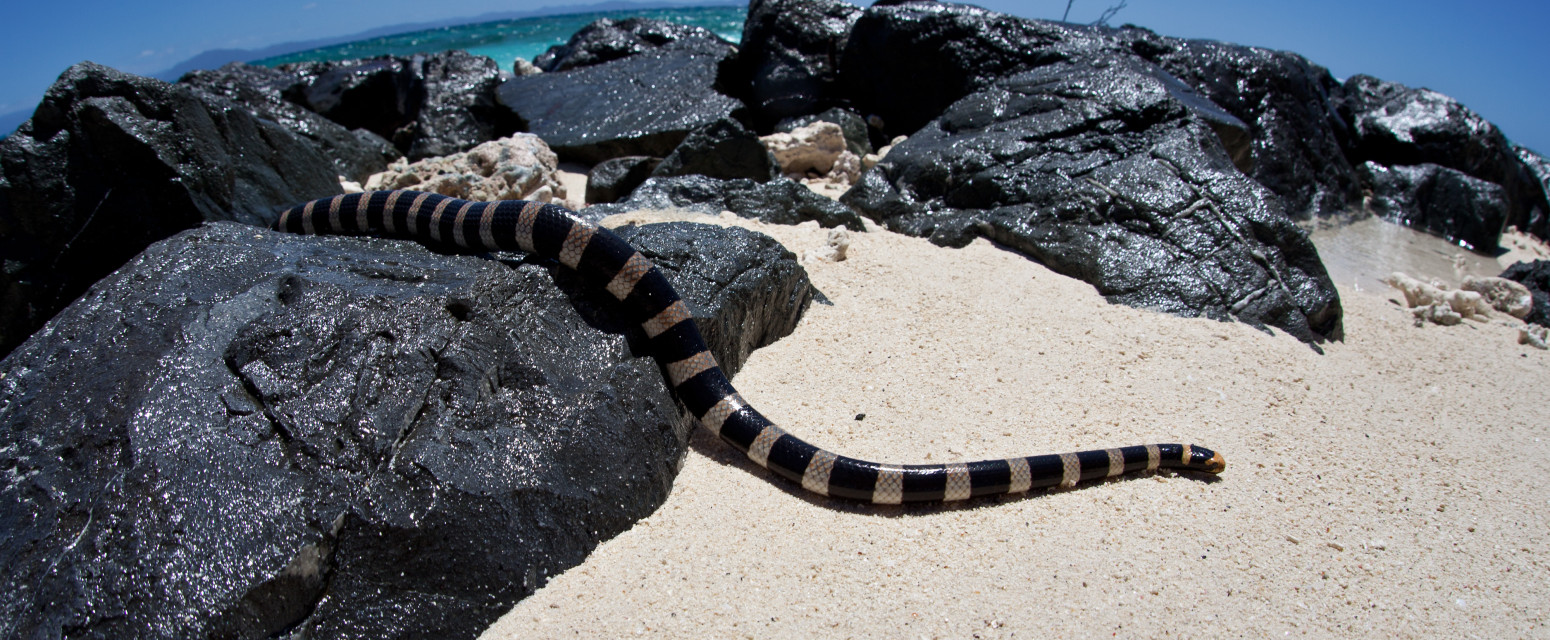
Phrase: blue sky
[1490,54]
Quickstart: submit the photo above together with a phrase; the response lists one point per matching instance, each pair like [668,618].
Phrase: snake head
[1203,459]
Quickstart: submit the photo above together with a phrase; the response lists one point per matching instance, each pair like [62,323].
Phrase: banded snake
[603,258]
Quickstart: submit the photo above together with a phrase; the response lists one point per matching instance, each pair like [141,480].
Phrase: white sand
[1396,486]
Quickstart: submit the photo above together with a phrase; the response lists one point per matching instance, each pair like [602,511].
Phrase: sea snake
[603,258]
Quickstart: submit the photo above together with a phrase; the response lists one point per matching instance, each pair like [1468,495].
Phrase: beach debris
[519,167]
[833,250]
[1535,275]
[1536,335]
[809,148]
[520,67]
[1435,303]
[815,154]
[1507,296]
[871,159]
[1436,313]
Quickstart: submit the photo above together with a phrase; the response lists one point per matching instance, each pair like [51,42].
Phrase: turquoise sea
[505,40]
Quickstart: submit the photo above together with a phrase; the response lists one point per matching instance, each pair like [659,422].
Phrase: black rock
[1103,171]
[111,162]
[1295,137]
[723,149]
[1537,219]
[779,201]
[276,435]
[1397,125]
[428,105]
[907,62]
[356,153]
[613,179]
[643,105]
[605,39]
[854,126]
[791,50]
[1438,199]
[1536,276]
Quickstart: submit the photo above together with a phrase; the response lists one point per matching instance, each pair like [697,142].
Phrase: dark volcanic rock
[723,149]
[1396,125]
[791,49]
[952,50]
[779,201]
[854,126]
[357,154]
[613,179]
[428,105]
[1536,276]
[606,39]
[906,63]
[1293,128]
[111,162]
[1103,172]
[1438,199]
[1296,137]
[276,435]
[643,105]
[1537,219]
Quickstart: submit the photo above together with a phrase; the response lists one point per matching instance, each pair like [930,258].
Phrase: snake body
[605,259]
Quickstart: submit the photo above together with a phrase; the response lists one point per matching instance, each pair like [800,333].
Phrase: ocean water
[505,40]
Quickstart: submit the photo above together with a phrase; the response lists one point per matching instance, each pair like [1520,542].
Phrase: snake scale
[603,258]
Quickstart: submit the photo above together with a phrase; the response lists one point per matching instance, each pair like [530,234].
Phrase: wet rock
[1537,219]
[611,180]
[1293,136]
[111,162]
[791,49]
[779,201]
[1536,277]
[1438,199]
[1396,125]
[428,105]
[1102,171]
[851,123]
[520,167]
[356,153]
[606,39]
[723,149]
[906,62]
[643,105]
[331,437]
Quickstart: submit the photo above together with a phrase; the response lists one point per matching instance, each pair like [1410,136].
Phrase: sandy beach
[1394,486]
